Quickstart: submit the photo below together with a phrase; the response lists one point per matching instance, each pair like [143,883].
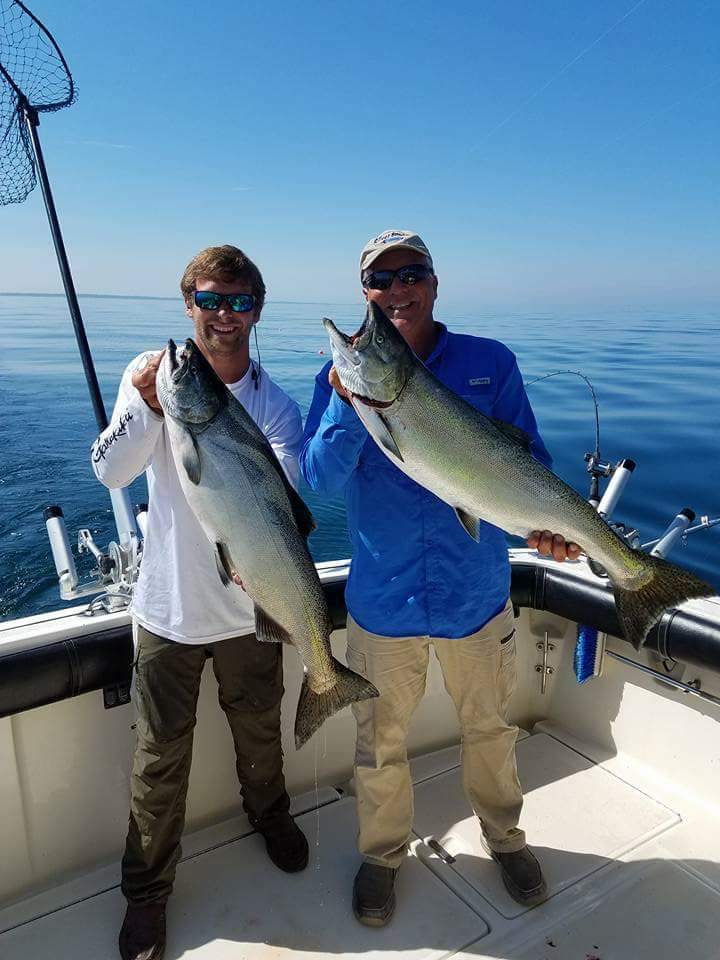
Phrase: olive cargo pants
[479,673]
[167,682]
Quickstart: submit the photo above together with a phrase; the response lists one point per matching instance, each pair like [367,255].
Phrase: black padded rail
[679,635]
[42,675]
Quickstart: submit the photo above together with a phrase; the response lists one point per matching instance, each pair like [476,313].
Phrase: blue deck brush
[589,653]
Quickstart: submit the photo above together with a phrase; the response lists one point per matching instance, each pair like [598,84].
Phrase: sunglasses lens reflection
[238,302]
[241,303]
[207,301]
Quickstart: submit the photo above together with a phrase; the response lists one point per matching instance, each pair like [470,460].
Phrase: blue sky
[550,152]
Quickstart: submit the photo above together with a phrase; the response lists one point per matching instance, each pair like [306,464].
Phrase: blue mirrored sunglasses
[238,302]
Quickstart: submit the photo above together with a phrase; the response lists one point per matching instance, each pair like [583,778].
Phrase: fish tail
[663,585]
[314,709]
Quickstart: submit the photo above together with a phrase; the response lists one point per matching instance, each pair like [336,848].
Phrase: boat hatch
[615,886]
[586,818]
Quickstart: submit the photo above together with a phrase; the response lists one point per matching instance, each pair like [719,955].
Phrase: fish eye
[379,339]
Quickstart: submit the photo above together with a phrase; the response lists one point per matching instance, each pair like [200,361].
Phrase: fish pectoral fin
[268,630]
[385,438]
[514,433]
[224,563]
[471,523]
[189,456]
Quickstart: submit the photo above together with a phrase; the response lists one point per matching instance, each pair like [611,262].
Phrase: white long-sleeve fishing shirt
[179,594]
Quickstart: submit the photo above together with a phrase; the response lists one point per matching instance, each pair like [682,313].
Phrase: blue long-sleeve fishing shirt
[415,571]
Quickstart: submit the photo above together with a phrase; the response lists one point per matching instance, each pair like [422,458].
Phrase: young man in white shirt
[183,614]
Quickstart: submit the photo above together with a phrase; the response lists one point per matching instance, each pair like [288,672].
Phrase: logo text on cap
[389,237]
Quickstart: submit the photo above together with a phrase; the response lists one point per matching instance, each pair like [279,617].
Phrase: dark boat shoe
[285,842]
[522,876]
[373,898]
[142,935]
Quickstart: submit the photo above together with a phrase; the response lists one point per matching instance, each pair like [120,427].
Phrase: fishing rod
[590,644]
[618,476]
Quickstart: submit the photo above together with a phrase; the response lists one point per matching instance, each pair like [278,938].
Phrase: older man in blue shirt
[417,579]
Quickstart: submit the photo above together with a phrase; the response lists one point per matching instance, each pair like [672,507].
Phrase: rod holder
[673,533]
[141,512]
[62,554]
[124,516]
[622,473]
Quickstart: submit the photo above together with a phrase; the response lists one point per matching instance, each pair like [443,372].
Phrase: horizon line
[495,309]
[135,296]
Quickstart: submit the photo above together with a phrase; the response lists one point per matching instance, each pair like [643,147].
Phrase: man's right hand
[144,382]
[334,381]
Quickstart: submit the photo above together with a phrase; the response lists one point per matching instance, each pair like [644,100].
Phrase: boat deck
[632,864]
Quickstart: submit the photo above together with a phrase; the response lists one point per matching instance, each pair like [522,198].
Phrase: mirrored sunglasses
[238,302]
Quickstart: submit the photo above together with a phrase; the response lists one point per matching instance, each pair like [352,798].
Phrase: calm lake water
[655,375]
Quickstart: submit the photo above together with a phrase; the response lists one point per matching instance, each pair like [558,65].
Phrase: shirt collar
[243,382]
[440,345]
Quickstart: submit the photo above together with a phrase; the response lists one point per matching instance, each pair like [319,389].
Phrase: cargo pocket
[508,671]
[356,661]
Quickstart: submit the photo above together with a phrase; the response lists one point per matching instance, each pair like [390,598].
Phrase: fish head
[188,388]
[375,363]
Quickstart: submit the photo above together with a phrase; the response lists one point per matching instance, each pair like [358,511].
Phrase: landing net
[34,74]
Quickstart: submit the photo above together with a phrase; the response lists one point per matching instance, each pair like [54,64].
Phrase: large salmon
[258,524]
[484,469]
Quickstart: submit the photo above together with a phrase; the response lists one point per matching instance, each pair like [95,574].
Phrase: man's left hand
[553,544]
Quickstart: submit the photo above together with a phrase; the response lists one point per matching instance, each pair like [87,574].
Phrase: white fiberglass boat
[621,777]
[621,774]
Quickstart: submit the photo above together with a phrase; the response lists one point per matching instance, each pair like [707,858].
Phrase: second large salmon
[485,470]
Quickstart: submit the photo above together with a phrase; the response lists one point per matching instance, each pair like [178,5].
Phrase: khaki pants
[167,682]
[479,673]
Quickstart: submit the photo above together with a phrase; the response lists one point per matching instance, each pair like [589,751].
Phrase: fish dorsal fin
[300,510]
[303,518]
[223,561]
[189,455]
[471,523]
[251,433]
[268,630]
[514,433]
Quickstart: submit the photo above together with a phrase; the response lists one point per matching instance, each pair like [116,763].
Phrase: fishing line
[556,76]
[256,373]
[576,373]
[305,352]
[317,810]
[637,127]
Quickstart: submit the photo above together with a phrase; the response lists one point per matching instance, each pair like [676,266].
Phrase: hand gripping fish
[484,469]
[258,524]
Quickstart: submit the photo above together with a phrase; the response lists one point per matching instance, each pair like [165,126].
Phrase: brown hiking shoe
[522,876]
[373,899]
[142,936]
[285,842]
